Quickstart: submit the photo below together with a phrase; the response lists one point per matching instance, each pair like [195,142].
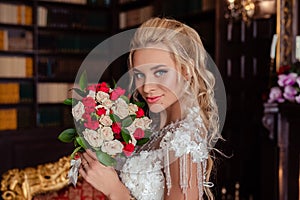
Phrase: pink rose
[116,93]
[92,124]
[88,102]
[92,87]
[138,133]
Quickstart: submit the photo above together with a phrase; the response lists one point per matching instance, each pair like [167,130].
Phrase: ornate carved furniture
[283,123]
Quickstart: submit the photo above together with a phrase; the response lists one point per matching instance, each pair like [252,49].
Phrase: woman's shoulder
[187,136]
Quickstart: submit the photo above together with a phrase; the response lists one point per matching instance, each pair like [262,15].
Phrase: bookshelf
[42,45]
[59,35]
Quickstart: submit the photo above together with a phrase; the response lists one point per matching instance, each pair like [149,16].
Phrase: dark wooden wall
[243,60]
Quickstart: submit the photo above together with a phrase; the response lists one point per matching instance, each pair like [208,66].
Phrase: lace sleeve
[186,144]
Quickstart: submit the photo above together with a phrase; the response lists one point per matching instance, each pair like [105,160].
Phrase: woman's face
[156,78]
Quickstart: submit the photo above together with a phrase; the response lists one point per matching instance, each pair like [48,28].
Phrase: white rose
[131,128]
[92,137]
[106,133]
[139,123]
[105,120]
[147,122]
[121,108]
[92,94]
[78,111]
[132,108]
[133,140]
[107,103]
[112,147]
[101,96]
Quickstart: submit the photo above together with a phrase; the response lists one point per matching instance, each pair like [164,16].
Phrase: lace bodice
[147,174]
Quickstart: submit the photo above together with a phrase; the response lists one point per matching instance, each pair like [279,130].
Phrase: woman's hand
[102,178]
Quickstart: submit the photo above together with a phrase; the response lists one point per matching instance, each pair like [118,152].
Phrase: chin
[156,108]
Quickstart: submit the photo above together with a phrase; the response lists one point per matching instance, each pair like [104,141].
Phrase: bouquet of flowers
[106,122]
[288,88]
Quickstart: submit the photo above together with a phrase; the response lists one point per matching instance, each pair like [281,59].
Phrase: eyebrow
[152,68]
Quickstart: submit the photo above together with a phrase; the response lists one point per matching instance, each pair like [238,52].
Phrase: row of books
[89,2]
[64,69]
[48,116]
[69,42]
[53,92]
[70,1]
[135,17]
[14,39]
[13,93]
[180,8]
[16,67]
[15,14]
[65,18]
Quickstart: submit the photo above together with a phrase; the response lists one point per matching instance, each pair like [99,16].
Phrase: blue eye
[160,73]
[138,75]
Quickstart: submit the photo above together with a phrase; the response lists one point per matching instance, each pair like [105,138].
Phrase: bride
[167,62]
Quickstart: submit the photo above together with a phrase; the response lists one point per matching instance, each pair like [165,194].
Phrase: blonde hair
[186,46]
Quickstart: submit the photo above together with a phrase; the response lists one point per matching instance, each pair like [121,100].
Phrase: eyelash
[158,73]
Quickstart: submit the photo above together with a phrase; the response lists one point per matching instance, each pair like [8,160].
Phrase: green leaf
[81,142]
[83,80]
[114,118]
[127,121]
[139,104]
[142,141]
[68,101]
[125,135]
[67,135]
[148,133]
[125,98]
[75,151]
[105,159]
[80,92]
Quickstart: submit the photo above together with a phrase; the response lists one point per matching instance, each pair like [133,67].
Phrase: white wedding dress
[147,173]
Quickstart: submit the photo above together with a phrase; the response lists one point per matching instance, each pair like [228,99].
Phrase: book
[9,93]
[8,119]
[16,67]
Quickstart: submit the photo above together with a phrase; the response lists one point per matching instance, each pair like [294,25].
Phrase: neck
[171,114]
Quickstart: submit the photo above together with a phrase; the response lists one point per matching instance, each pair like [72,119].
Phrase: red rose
[139,113]
[128,149]
[102,87]
[91,124]
[116,127]
[117,136]
[139,133]
[88,102]
[101,111]
[116,93]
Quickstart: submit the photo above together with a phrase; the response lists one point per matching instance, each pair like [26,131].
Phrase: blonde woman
[167,63]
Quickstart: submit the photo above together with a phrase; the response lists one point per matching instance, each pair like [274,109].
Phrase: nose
[148,85]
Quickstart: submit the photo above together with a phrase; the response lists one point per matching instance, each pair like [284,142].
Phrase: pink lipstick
[153,99]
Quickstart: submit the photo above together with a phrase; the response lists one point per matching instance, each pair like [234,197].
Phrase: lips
[153,99]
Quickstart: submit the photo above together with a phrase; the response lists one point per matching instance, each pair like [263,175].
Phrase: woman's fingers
[92,154]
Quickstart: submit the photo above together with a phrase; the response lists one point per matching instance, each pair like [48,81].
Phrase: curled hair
[188,52]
